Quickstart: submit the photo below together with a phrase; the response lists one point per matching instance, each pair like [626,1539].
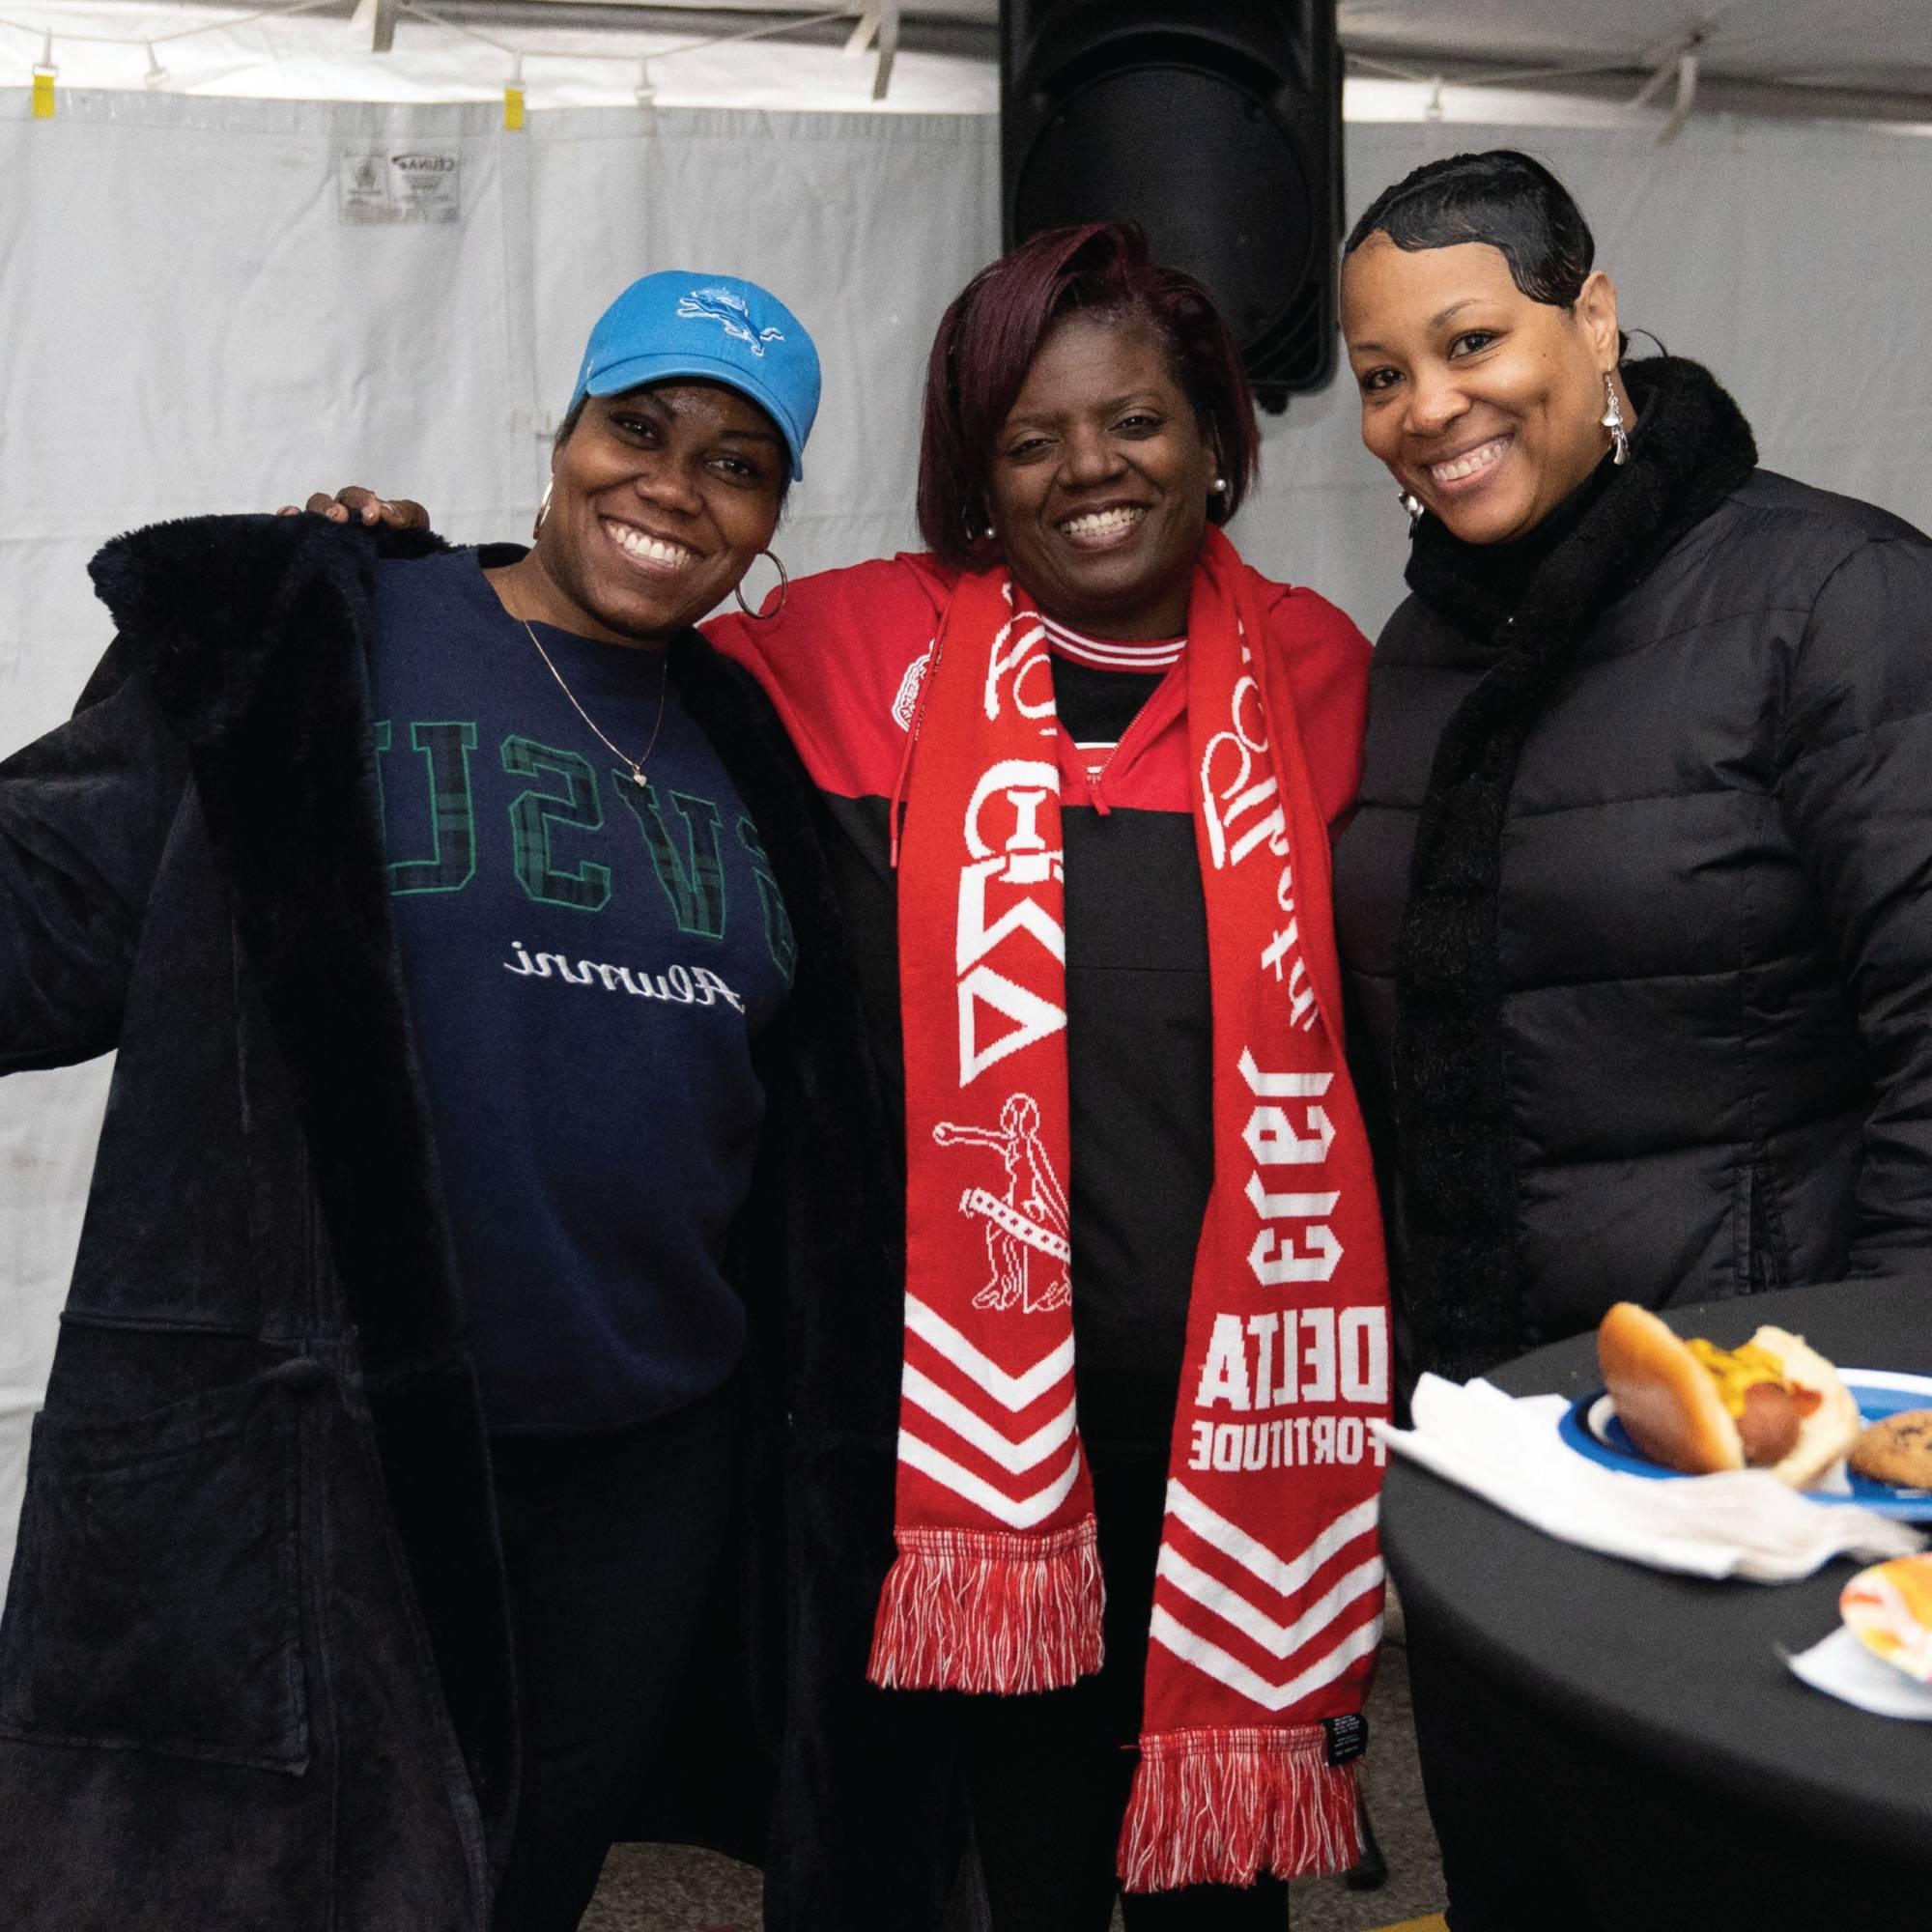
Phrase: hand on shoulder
[355,503]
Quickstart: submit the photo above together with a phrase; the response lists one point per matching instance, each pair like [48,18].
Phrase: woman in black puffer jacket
[1635,900]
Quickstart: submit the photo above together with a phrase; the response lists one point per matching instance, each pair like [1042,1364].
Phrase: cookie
[1897,1450]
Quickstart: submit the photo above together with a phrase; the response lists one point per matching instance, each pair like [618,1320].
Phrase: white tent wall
[190,325]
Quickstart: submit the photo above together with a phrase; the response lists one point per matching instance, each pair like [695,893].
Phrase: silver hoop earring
[1413,505]
[543,510]
[1613,421]
[784,591]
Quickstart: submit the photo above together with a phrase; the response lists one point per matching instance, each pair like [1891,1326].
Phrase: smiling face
[1485,404]
[659,500]
[1098,478]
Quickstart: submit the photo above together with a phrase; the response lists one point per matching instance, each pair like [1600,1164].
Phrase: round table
[1608,1745]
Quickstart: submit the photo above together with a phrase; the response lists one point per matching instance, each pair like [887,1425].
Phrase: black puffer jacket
[1709,1004]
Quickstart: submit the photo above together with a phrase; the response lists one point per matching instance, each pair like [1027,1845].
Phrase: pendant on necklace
[637,777]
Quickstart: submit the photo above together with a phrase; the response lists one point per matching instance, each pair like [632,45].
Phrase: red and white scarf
[1268,1600]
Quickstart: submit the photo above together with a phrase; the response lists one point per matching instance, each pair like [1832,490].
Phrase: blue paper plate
[1590,1426]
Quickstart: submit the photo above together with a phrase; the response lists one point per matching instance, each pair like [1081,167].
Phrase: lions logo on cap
[732,312]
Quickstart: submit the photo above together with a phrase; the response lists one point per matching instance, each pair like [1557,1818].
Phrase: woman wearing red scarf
[1079,766]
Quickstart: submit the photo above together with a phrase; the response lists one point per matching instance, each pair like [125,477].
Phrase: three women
[1086,427]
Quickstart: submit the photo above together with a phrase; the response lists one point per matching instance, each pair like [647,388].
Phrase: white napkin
[1744,1523]
[1842,1667]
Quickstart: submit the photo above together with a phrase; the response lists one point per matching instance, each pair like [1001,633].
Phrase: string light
[1374,64]
[1678,65]
[151,41]
[645,91]
[875,20]
[157,75]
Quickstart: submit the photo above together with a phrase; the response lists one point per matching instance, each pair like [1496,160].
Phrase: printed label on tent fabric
[419,184]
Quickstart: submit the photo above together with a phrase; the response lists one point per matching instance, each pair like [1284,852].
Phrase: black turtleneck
[1496,575]
[1643,504]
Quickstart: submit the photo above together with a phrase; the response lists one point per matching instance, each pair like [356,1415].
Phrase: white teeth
[1103,523]
[653,550]
[1472,464]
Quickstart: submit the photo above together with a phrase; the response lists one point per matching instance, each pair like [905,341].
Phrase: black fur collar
[1691,447]
[204,604]
[1456,1141]
[252,634]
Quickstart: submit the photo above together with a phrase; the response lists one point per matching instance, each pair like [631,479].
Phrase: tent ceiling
[1876,46]
[969,27]
[1527,61]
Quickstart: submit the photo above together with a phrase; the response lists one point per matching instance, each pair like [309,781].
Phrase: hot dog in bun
[1771,1404]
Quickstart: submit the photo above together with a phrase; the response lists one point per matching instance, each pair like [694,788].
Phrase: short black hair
[1501,198]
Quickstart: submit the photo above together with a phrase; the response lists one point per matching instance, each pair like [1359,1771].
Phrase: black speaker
[1214,123]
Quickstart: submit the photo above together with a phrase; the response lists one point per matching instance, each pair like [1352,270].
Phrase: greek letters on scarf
[1268,1600]
[1456,1141]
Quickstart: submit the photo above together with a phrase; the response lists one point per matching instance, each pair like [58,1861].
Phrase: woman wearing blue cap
[392,1480]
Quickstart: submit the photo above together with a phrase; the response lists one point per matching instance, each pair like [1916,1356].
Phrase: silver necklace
[637,765]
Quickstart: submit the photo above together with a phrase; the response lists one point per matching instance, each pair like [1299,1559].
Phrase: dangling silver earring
[1413,505]
[543,510]
[1613,421]
[784,591]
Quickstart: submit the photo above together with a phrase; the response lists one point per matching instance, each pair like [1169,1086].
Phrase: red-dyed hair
[987,340]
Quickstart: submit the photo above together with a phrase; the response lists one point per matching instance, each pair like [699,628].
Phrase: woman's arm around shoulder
[1854,751]
[1326,659]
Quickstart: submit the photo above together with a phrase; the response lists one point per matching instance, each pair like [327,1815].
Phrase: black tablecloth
[1606,1745]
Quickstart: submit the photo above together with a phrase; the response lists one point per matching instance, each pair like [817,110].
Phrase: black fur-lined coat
[1663,1030]
[254,1669]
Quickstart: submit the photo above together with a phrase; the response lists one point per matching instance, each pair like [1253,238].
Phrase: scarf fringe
[1223,1806]
[979,1610]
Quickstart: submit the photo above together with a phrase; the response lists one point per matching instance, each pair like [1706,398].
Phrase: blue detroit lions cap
[713,327]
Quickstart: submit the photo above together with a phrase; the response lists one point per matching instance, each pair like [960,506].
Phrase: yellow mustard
[1737,1370]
